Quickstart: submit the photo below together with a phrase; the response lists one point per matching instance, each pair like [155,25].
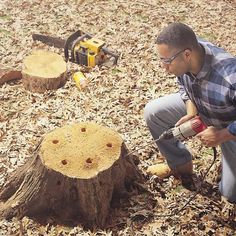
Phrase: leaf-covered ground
[115,97]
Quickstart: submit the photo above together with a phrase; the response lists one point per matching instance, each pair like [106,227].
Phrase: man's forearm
[191,112]
[191,108]
[226,135]
[211,137]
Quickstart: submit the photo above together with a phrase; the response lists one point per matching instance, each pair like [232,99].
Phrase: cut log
[75,173]
[43,70]
[7,74]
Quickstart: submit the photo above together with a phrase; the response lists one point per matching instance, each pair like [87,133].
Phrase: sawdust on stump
[75,173]
[43,70]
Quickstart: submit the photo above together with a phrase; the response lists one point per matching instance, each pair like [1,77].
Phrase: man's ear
[187,52]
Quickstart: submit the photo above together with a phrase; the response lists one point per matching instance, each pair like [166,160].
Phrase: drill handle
[200,124]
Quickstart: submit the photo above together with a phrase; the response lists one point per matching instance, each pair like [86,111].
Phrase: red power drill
[185,130]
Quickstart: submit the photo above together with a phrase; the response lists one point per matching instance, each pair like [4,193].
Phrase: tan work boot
[162,170]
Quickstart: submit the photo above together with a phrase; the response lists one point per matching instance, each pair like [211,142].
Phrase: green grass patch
[207,152]
[5,17]
[142,18]
[145,18]
[116,71]
[208,36]
[178,189]
[3,31]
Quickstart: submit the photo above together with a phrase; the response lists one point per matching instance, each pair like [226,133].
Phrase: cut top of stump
[44,64]
[81,150]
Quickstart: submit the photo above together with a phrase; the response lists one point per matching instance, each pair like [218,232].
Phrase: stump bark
[75,173]
[43,70]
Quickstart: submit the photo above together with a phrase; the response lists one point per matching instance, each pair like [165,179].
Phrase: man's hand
[184,119]
[211,137]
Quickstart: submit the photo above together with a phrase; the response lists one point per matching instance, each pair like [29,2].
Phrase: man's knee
[152,110]
[167,109]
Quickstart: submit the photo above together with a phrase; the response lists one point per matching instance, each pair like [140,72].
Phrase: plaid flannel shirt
[213,89]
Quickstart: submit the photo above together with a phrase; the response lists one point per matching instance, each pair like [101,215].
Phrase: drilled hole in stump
[89,160]
[55,141]
[64,162]
[109,145]
[83,129]
[58,182]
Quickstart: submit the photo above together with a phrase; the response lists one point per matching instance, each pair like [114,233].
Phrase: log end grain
[43,70]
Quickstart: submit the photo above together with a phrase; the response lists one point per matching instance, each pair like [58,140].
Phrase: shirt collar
[207,63]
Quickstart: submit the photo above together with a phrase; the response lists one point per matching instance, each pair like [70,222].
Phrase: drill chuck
[168,134]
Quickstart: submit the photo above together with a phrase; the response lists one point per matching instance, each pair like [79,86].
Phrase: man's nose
[165,66]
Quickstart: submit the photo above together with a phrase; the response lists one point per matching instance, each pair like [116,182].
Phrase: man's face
[175,61]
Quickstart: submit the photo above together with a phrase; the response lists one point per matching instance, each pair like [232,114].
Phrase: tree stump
[43,70]
[74,174]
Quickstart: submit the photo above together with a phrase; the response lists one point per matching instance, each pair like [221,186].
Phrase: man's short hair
[178,35]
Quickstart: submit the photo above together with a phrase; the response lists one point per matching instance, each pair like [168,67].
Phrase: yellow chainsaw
[80,48]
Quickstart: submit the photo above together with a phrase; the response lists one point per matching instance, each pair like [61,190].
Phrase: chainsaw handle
[75,42]
[69,41]
[108,52]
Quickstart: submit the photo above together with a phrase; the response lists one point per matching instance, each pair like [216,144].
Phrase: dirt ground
[115,97]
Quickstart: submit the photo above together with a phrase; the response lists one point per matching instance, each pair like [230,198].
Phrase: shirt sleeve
[182,91]
[232,94]
[232,128]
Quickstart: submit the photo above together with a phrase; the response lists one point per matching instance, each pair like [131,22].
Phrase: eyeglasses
[168,61]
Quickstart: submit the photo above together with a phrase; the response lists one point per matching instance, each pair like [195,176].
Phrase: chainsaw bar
[51,41]
[58,42]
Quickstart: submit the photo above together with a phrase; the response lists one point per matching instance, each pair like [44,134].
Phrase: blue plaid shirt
[213,89]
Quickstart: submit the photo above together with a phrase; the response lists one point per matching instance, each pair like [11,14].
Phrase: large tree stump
[74,175]
[43,70]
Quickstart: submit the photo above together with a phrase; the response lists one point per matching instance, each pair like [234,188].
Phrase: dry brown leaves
[115,97]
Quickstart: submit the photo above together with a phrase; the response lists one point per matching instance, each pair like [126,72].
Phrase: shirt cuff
[184,96]
[232,128]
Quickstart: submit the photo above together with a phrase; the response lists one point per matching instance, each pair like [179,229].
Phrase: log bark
[75,173]
[43,70]
[8,74]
